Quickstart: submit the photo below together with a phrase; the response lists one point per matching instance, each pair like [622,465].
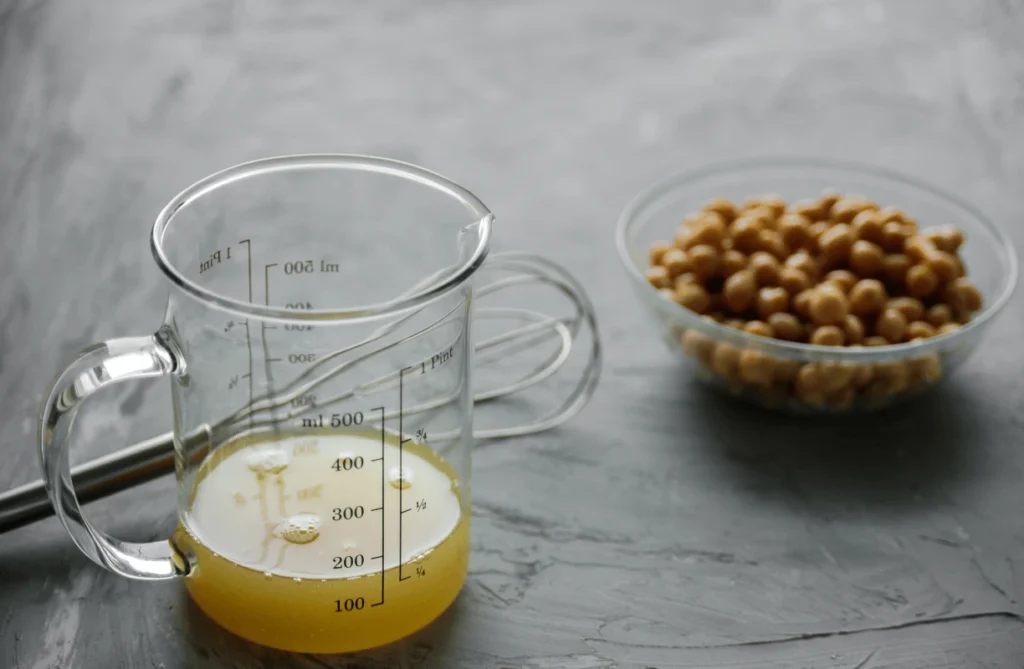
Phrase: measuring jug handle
[96,367]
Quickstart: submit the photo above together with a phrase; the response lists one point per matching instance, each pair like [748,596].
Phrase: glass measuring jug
[318,339]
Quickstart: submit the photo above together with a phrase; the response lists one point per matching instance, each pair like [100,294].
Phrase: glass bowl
[849,379]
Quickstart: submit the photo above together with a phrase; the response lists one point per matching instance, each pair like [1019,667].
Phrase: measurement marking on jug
[248,332]
[355,604]
[309,267]
[383,490]
[402,441]
[335,420]
[437,360]
[215,259]
[293,327]
[268,373]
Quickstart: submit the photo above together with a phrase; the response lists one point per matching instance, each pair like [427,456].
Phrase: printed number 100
[342,605]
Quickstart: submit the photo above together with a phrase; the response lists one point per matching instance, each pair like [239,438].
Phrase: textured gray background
[665,527]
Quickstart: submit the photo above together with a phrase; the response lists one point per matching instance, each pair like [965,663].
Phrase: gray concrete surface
[665,527]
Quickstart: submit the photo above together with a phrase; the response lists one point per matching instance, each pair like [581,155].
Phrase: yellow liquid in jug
[287,540]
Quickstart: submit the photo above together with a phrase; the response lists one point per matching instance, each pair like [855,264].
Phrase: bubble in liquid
[268,575]
[267,461]
[400,479]
[297,579]
[301,528]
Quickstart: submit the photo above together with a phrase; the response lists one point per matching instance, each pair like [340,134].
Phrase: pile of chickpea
[831,271]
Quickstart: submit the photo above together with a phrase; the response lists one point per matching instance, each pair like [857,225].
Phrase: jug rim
[454,278]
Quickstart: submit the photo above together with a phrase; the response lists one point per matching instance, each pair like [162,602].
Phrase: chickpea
[794,230]
[826,201]
[693,220]
[853,330]
[868,226]
[926,369]
[793,280]
[919,330]
[803,261]
[842,399]
[847,208]
[745,233]
[711,231]
[828,335]
[895,267]
[816,230]
[828,306]
[786,326]
[876,340]
[771,241]
[891,215]
[894,236]
[770,201]
[911,308]
[735,323]
[755,368]
[862,375]
[835,243]
[766,268]
[759,328]
[764,215]
[704,260]
[866,258]
[786,370]
[698,345]
[657,252]
[802,302]
[944,266]
[683,237]
[725,360]
[732,261]
[685,277]
[946,238]
[938,315]
[808,209]
[963,295]
[676,262]
[921,281]
[919,248]
[739,291]
[772,301]
[667,293]
[722,207]
[892,325]
[952,240]
[947,328]
[891,377]
[809,378]
[693,297]
[867,297]
[843,278]
[659,277]
[775,203]
[836,375]
[809,384]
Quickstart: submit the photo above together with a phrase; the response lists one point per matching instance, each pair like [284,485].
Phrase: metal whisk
[154,457]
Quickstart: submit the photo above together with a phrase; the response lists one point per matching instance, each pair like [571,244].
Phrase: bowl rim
[681,179]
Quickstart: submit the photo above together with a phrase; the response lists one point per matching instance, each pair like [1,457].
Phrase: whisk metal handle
[93,480]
